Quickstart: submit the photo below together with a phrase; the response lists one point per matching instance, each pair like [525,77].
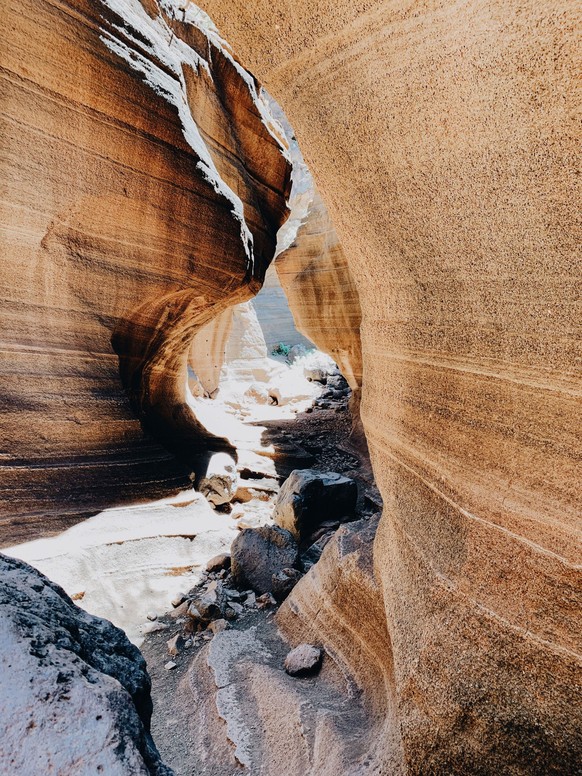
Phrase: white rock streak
[158,41]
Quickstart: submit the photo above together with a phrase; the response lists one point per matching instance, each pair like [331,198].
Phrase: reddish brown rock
[444,139]
[121,240]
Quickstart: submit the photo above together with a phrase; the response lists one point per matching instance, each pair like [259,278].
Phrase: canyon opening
[290,385]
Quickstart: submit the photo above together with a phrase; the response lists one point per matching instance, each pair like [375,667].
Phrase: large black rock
[259,553]
[74,692]
[309,498]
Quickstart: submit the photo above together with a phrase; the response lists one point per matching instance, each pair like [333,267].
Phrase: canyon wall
[315,276]
[443,138]
[144,185]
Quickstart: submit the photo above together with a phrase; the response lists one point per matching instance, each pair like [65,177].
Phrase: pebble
[152,616]
[265,600]
[170,665]
[303,660]
[178,599]
[175,644]
[218,626]
[153,627]
[219,562]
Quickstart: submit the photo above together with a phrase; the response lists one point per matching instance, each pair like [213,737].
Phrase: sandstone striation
[315,275]
[444,140]
[144,188]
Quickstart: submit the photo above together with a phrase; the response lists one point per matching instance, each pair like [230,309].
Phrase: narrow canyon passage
[306,430]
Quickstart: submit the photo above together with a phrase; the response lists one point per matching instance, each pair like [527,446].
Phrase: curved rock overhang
[146,183]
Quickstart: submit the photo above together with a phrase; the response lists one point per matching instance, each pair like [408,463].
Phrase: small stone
[313,374]
[230,614]
[265,600]
[303,660]
[218,626]
[233,595]
[170,665]
[237,511]
[219,562]
[188,643]
[309,409]
[251,600]
[221,480]
[180,611]
[152,616]
[175,645]
[178,599]
[237,608]
[209,603]
[153,627]
[194,613]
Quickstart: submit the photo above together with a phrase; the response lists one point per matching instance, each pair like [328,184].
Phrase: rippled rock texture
[144,184]
[444,140]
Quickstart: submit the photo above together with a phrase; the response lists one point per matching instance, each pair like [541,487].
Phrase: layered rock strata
[145,182]
[317,281]
[444,140]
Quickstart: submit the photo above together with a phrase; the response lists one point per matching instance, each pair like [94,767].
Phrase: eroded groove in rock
[443,138]
[144,187]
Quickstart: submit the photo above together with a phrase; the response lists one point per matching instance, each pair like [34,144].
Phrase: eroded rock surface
[74,693]
[146,185]
[443,137]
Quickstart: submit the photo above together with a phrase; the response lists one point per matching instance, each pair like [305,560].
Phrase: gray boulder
[304,660]
[258,553]
[74,692]
[315,374]
[221,480]
[309,498]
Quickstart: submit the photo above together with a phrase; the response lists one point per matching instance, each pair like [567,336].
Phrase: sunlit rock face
[443,138]
[144,184]
[315,274]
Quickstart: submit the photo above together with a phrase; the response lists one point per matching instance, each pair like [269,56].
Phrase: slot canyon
[290,388]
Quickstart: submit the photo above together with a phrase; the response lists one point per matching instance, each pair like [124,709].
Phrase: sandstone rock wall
[444,140]
[144,184]
[315,275]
